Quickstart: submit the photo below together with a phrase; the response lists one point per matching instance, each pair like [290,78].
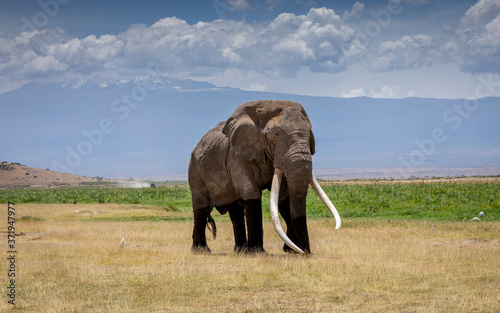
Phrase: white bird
[481,214]
[122,243]
[476,219]
[432,227]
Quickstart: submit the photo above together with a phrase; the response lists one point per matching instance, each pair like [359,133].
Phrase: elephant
[265,144]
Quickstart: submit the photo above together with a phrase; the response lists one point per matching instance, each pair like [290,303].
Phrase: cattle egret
[481,214]
[476,219]
[122,243]
[432,227]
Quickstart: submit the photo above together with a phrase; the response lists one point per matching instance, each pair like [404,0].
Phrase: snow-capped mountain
[148,126]
[153,82]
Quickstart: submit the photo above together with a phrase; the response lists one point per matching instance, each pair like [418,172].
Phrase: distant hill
[17,175]
[147,127]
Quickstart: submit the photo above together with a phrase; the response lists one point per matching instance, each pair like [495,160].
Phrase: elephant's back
[212,143]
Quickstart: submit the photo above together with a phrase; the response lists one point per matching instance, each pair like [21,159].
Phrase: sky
[380,49]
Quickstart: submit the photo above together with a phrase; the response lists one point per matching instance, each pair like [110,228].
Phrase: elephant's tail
[211,226]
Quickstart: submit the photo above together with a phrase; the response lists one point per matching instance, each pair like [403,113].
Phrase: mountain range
[147,127]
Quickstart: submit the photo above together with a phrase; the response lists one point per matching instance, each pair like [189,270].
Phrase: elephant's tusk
[317,188]
[275,191]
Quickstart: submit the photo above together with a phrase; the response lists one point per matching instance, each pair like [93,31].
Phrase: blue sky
[423,48]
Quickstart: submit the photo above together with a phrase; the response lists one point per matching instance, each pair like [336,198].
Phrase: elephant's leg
[253,213]
[284,209]
[199,237]
[237,215]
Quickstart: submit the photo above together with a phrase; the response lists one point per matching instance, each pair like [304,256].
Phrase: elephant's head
[277,135]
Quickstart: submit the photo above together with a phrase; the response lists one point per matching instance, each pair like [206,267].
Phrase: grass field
[384,258]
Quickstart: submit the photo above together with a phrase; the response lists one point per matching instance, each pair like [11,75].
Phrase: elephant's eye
[273,134]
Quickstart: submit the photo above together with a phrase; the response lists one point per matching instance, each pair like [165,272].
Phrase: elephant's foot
[200,249]
[245,250]
[256,250]
[241,248]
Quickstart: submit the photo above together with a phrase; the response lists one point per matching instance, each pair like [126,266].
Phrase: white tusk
[317,188]
[275,191]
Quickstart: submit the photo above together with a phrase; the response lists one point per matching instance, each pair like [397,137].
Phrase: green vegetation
[444,201]
[135,218]
[178,197]
[436,201]
[30,218]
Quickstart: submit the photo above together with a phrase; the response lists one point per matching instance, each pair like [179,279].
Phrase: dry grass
[72,262]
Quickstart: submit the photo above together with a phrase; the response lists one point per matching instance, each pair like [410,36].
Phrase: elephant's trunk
[298,177]
[296,164]
[297,208]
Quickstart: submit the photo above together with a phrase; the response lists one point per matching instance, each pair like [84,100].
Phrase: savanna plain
[402,247]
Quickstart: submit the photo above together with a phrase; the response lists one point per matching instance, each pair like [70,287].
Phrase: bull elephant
[263,145]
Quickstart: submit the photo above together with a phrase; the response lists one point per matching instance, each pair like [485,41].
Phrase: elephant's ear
[245,137]
[312,143]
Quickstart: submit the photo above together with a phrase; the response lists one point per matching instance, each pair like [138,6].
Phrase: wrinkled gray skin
[235,161]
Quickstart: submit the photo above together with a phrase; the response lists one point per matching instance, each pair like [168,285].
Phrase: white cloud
[410,93]
[289,43]
[353,93]
[406,53]
[480,34]
[257,87]
[317,42]
[387,92]
[44,64]
[51,51]
[479,15]
[357,10]
[474,44]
